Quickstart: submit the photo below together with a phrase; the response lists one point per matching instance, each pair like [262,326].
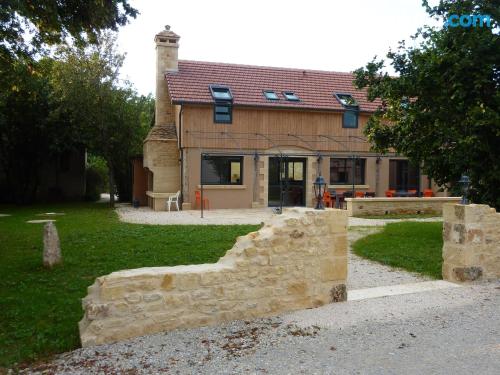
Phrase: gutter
[277,107]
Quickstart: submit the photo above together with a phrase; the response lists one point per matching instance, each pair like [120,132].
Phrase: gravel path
[145,215]
[449,331]
[364,273]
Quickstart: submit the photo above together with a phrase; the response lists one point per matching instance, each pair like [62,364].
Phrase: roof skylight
[290,95]
[271,95]
[346,100]
[221,93]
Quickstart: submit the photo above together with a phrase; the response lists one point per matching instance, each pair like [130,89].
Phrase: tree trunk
[111,178]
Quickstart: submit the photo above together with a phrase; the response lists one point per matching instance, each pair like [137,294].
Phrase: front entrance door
[288,178]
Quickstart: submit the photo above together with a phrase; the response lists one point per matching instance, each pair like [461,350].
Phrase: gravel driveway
[451,330]
[448,331]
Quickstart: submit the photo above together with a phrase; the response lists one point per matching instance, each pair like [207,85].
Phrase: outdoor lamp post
[464,183]
[319,190]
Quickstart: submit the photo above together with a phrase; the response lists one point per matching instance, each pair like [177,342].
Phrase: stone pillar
[51,246]
[471,242]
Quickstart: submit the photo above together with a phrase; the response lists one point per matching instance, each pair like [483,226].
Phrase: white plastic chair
[174,199]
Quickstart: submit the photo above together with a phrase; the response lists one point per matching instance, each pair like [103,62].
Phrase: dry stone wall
[297,260]
[471,242]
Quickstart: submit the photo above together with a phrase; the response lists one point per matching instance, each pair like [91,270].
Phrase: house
[244,134]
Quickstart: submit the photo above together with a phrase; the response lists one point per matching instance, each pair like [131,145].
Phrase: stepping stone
[39,221]
[4,215]
[51,214]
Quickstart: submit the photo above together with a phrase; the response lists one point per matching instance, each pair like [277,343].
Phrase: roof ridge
[267,67]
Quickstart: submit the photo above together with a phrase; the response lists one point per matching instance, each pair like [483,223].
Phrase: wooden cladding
[261,129]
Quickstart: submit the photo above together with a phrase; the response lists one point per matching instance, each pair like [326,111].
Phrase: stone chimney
[167,46]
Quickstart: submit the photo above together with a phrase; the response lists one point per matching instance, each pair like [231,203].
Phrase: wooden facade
[284,128]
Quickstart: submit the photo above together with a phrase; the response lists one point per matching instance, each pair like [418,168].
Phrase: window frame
[348,112]
[222,102]
[230,159]
[401,172]
[229,112]
[349,109]
[214,88]
[348,163]
[265,92]
[339,94]
[289,94]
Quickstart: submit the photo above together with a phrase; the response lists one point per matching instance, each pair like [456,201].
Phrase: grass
[414,246]
[40,308]
[398,216]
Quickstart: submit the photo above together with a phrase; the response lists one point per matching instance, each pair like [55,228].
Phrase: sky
[307,34]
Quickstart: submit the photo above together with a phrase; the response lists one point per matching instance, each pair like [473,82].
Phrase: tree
[442,110]
[106,110]
[24,111]
[138,111]
[27,25]
[31,128]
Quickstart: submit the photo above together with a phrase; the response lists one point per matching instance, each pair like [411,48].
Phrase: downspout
[182,155]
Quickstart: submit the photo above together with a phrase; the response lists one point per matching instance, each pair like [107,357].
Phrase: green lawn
[415,246]
[39,308]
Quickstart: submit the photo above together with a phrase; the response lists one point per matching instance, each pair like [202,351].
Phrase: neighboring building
[245,120]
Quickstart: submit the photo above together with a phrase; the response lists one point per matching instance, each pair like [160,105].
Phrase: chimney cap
[167,33]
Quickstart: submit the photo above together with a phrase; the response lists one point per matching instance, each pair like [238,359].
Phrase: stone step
[394,290]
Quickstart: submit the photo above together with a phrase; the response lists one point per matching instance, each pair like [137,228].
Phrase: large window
[403,175]
[222,170]
[341,172]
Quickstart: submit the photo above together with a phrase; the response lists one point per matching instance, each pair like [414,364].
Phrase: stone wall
[471,242]
[384,206]
[297,260]
[161,157]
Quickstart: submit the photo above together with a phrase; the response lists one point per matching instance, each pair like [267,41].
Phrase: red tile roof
[314,88]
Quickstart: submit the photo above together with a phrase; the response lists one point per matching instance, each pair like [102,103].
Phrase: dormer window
[290,95]
[223,106]
[350,115]
[221,93]
[271,95]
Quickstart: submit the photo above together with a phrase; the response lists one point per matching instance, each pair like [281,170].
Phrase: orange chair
[359,194]
[197,201]
[327,199]
[390,193]
[428,193]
